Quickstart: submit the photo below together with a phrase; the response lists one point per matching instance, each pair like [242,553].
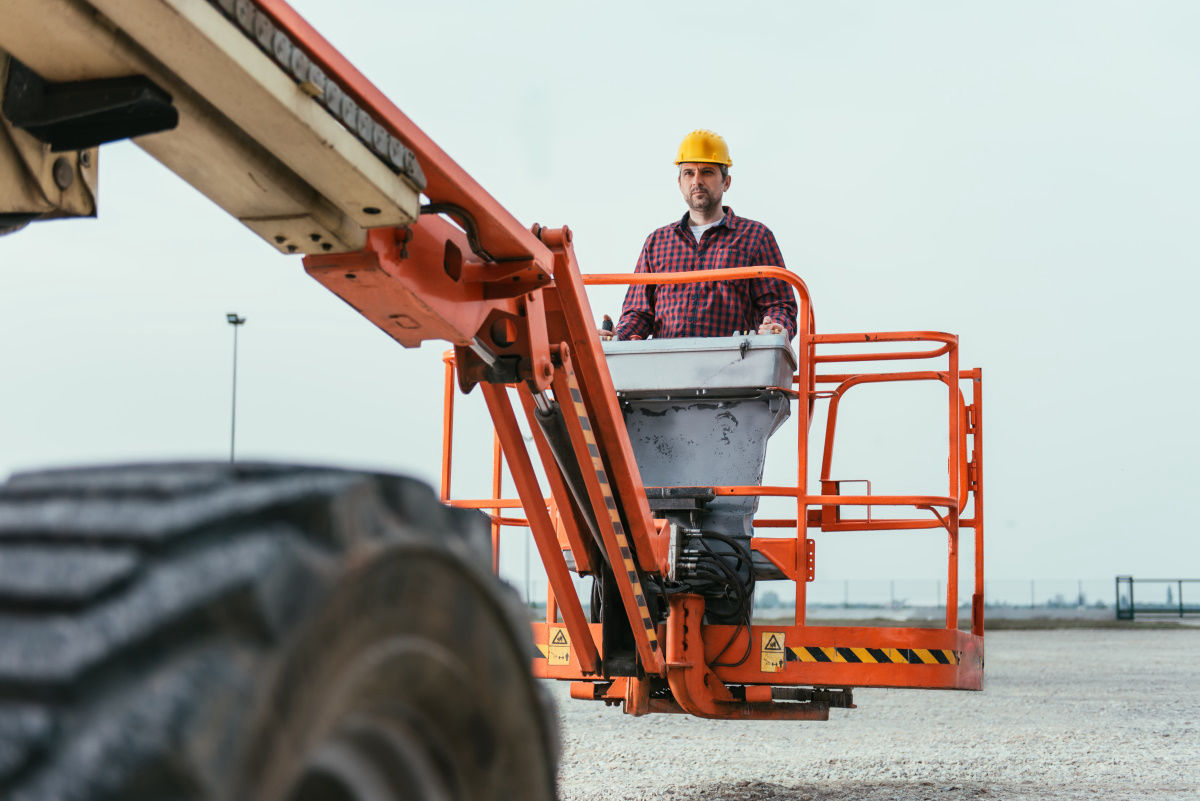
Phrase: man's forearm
[634,323]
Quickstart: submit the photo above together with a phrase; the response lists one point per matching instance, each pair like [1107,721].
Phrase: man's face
[702,185]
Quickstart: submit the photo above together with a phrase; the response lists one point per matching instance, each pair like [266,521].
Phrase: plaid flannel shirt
[714,309]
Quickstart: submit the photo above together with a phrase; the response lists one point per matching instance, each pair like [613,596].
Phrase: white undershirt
[698,230]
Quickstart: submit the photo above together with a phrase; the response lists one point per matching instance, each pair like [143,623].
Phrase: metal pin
[244,11]
[366,127]
[349,112]
[396,151]
[332,97]
[299,64]
[264,30]
[281,48]
[380,141]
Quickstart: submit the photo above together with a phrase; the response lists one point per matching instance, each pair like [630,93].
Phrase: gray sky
[1022,174]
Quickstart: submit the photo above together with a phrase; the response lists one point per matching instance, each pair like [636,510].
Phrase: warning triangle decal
[772,644]
[560,638]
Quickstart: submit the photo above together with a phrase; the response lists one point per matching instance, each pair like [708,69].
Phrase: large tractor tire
[205,632]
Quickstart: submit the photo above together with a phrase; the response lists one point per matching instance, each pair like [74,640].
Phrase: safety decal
[613,514]
[558,652]
[895,656]
[772,652]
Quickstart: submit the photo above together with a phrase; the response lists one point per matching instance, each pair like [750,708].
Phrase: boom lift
[249,104]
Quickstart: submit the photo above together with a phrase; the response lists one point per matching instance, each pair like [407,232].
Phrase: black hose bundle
[726,577]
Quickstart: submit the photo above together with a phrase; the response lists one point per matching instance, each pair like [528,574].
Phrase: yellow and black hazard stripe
[543,651]
[613,514]
[893,656]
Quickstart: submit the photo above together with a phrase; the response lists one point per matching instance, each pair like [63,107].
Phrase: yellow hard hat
[702,145]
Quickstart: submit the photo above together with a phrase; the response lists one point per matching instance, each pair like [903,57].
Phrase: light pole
[236,322]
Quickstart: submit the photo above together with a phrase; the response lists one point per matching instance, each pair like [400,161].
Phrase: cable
[714,567]
[742,588]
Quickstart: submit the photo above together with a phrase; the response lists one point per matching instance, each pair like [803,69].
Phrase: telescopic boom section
[249,104]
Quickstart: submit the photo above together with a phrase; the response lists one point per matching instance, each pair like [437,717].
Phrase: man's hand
[606,328]
[769,327]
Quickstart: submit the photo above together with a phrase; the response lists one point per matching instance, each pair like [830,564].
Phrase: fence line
[1156,596]
[901,593]
[904,593]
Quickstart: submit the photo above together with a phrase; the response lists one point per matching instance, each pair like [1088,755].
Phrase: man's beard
[702,203]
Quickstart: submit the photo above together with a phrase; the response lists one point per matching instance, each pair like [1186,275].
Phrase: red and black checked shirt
[717,308]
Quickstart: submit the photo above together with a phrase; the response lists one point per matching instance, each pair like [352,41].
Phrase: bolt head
[64,173]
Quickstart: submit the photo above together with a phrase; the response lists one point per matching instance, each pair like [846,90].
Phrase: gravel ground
[1070,714]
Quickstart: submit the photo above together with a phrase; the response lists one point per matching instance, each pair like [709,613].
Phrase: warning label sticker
[559,651]
[773,653]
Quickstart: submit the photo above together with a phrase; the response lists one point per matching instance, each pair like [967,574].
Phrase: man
[709,237]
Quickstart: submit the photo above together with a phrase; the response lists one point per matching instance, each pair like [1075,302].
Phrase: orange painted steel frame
[837,656]
[511,300]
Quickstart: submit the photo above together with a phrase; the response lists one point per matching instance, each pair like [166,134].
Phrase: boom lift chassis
[391,224]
